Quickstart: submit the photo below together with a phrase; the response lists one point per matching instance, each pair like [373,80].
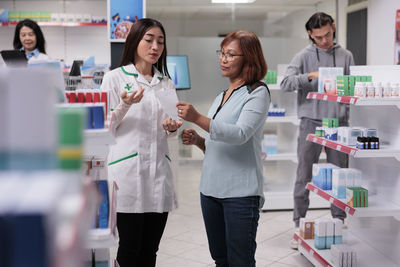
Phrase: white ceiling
[260,9]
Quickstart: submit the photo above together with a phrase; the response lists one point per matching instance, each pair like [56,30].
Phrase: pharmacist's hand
[312,75]
[133,97]
[190,137]
[171,125]
[187,112]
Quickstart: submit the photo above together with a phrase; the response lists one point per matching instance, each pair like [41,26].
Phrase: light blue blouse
[232,165]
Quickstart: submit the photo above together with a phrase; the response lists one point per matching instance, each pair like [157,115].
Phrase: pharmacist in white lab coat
[139,161]
[28,37]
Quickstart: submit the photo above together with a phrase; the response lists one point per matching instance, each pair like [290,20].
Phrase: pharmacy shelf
[377,207]
[97,142]
[276,200]
[101,238]
[283,119]
[383,152]
[366,255]
[318,257]
[356,100]
[274,86]
[58,24]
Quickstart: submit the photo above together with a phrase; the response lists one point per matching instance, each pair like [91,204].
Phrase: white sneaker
[294,244]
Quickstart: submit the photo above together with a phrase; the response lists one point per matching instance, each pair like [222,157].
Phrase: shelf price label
[352,100]
[325,97]
[331,199]
[311,252]
[323,142]
[339,98]
[352,152]
[315,139]
[315,190]
[338,147]
[314,96]
[346,209]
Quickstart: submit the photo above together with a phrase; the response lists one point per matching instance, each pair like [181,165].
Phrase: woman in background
[28,37]
[139,162]
[231,188]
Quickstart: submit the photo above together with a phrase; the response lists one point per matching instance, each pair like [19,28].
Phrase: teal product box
[337,231]
[320,234]
[330,228]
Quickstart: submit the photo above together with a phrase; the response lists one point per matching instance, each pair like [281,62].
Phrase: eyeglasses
[228,56]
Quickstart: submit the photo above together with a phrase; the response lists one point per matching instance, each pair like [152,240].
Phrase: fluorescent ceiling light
[232,1]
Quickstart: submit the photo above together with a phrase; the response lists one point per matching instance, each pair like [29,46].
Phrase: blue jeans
[231,226]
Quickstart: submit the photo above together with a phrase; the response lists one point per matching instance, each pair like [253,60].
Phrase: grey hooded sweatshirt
[309,60]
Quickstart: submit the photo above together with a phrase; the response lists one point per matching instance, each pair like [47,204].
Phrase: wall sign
[121,15]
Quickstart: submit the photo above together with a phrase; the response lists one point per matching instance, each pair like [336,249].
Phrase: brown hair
[254,66]
[136,33]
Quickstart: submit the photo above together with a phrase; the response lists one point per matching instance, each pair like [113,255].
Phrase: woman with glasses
[28,37]
[231,188]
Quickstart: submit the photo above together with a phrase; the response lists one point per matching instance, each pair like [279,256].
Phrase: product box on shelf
[327,80]
[306,228]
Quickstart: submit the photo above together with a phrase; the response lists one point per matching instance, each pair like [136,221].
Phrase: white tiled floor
[184,243]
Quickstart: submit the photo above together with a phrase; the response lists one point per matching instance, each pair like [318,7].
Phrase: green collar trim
[128,73]
[160,78]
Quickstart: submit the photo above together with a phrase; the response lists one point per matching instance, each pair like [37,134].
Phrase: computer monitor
[76,68]
[178,69]
[14,58]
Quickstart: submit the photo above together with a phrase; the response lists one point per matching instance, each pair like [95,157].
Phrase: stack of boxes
[322,175]
[327,232]
[96,103]
[343,256]
[357,197]
[270,144]
[345,83]
[330,127]
[270,77]
[306,228]
[343,178]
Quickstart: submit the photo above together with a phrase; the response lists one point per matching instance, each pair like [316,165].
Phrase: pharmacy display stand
[280,168]
[373,230]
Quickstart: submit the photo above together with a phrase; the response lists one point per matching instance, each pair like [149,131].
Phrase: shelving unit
[383,152]
[57,24]
[357,101]
[280,168]
[323,258]
[376,206]
[97,142]
[65,40]
[370,229]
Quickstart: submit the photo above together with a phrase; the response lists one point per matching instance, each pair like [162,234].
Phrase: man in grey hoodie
[302,75]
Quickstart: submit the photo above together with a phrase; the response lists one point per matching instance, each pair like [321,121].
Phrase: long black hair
[317,21]
[40,42]
[136,33]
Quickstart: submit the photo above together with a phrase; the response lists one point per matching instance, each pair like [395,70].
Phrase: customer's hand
[190,137]
[133,97]
[312,75]
[171,125]
[187,112]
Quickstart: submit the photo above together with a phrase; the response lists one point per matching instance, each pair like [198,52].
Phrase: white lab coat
[39,58]
[144,179]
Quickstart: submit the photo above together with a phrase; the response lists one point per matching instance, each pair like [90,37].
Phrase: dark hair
[40,42]
[136,33]
[317,21]
[254,66]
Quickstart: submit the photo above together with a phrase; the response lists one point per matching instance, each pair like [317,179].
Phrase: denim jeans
[231,226]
